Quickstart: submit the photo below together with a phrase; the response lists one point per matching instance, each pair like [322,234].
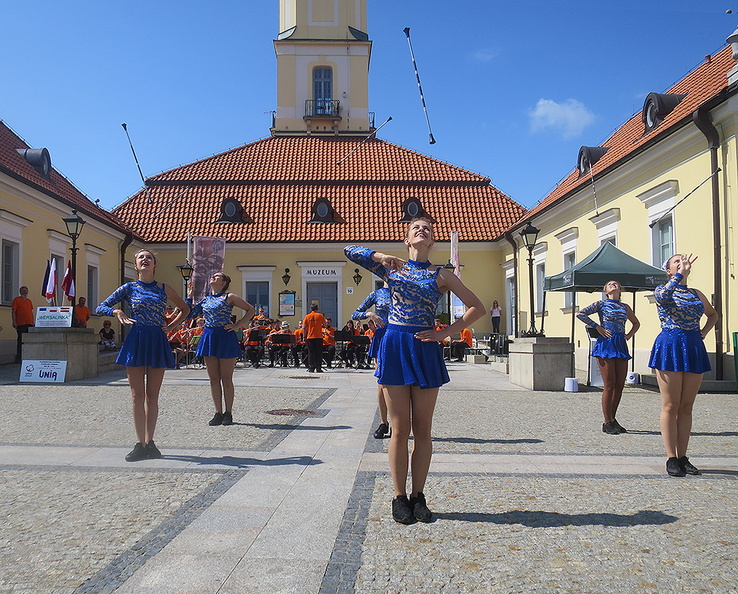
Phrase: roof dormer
[656,107]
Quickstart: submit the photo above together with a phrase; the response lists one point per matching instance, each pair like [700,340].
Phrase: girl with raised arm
[410,367]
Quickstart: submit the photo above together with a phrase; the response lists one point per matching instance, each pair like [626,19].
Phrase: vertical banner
[457,307]
[207,259]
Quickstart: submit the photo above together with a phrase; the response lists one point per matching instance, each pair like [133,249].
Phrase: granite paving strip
[517,482]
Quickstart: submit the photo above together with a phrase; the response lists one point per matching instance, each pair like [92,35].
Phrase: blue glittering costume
[146,345]
[679,346]
[403,360]
[613,315]
[216,341]
[381,300]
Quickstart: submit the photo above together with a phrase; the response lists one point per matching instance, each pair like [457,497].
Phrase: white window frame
[607,225]
[92,257]
[11,230]
[14,280]
[568,239]
[658,201]
[509,311]
[258,274]
[539,271]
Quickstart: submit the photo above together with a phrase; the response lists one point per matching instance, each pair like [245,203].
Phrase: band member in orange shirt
[312,327]
[299,347]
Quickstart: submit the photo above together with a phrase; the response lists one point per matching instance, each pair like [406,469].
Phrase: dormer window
[231,211]
[656,107]
[412,208]
[39,159]
[588,156]
[322,211]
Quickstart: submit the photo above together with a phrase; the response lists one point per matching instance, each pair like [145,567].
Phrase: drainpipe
[516,318]
[701,118]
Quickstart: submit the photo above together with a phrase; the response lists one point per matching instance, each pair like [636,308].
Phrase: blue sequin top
[216,310]
[613,315]
[148,302]
[381,300]
[678,305]
[413,290]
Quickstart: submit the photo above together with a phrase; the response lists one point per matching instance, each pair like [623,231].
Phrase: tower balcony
[322,108]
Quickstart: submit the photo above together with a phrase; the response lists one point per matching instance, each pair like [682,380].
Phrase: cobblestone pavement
[529,494]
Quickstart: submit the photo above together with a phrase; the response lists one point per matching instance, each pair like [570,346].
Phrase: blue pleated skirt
[373,351]
[218,342]
[614,347]
[679,350]
[403,360]
[146,346]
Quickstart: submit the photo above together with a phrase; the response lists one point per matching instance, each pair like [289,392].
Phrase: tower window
[657,107]
[322,212]
[412,208]
[323,90]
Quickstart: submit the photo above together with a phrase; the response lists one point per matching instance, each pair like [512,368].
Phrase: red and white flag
[50,286]
[68,283]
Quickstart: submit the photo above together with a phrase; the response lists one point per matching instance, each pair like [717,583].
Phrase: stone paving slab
[529,494]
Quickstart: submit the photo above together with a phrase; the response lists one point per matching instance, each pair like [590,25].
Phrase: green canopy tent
[606,263]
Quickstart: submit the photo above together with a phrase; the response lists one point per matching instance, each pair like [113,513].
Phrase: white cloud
[569,118]
[485,54]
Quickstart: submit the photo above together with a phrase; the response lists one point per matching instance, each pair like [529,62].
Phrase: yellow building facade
[663,183]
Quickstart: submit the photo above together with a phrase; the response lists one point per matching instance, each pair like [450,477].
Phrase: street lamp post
[74,226]
[530,236]
[186,271]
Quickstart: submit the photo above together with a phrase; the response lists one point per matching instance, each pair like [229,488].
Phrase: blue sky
[513,89]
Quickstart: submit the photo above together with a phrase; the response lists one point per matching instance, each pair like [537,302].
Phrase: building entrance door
[326,295]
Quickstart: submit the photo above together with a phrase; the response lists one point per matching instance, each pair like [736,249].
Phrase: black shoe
[382,431]
[216,420]
[687,466]
[420,509]
[227,418]
[619,426]
[401,510]
[318,371]
[610,428]
[674,468]
[152,451]
[270,365]
[137,453]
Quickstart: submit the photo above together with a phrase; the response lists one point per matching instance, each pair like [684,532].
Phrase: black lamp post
[357,276]
[74,226]
[286,276]
[530,236]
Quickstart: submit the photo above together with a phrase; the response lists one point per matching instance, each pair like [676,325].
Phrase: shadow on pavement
[246,462]
[477,440]
[543,519]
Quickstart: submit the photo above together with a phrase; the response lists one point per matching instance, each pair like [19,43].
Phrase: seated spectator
[107,337]
[458,347]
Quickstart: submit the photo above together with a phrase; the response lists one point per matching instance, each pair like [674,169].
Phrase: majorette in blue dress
[146,344]
[381,300]
[403,359]
[613,315]
[216,341]
[679,346]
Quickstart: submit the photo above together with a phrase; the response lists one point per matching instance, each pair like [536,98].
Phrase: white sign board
[43,371]
[54,317]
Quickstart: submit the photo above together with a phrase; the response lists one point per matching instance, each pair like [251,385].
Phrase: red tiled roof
[278,179]
[700,85]
[57,186]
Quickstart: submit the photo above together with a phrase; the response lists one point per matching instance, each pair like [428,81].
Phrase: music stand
[283,338]
[361,340]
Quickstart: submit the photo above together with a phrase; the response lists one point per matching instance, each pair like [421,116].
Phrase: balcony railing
[322,108]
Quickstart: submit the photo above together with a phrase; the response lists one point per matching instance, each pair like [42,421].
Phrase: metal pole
[532,331]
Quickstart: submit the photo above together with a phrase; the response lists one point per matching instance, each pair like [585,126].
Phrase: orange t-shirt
[329,336]
[82,314]
[23,311]
[313,322]
[466,336]
[298,335]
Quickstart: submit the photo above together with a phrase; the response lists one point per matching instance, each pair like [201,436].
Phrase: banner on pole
[207,259]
